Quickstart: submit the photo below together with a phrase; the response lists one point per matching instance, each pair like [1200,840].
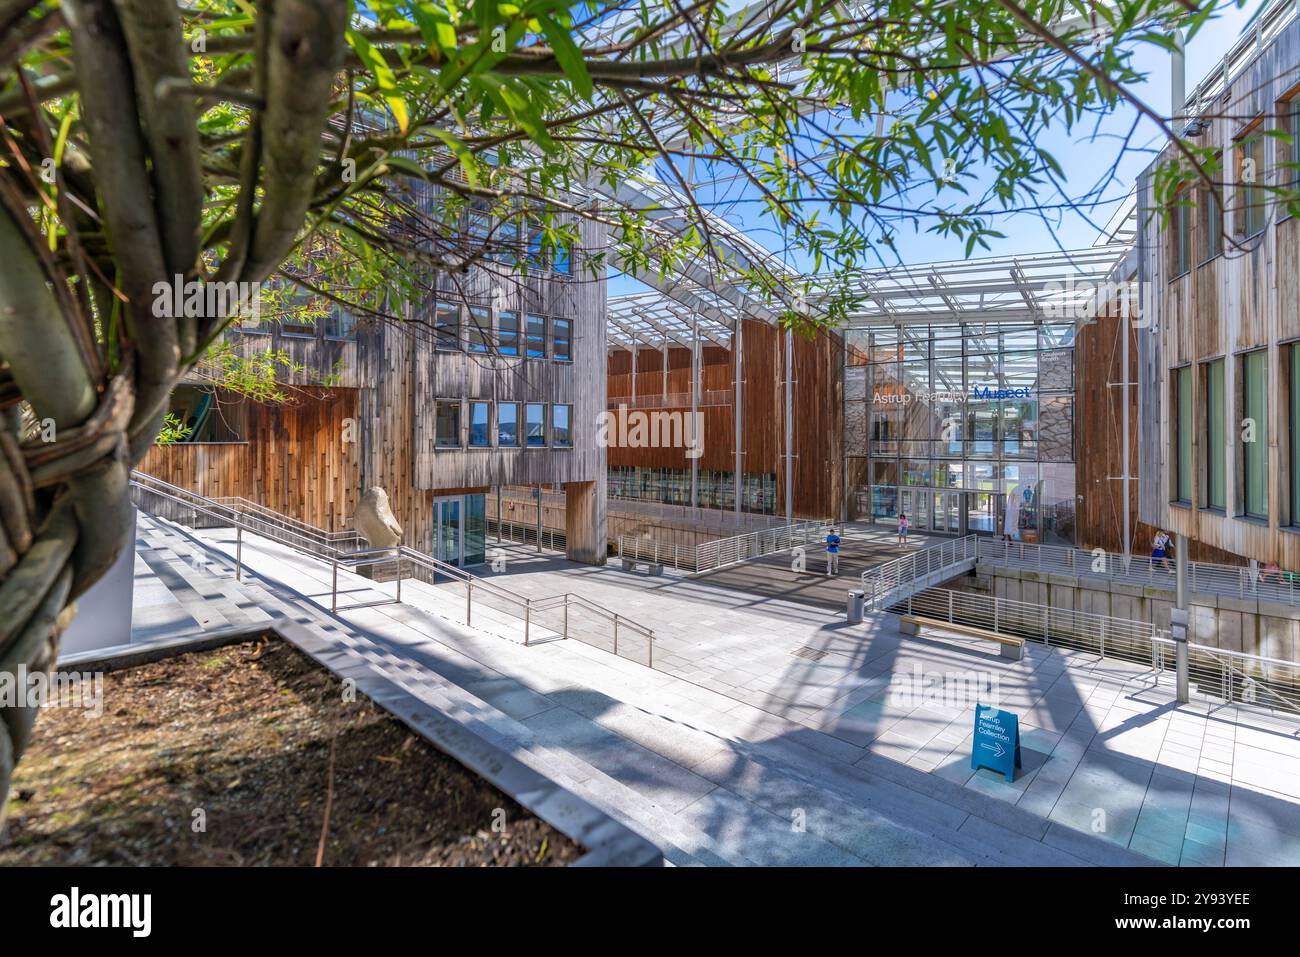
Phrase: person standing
[1160,549]
[902,529]
[832,553]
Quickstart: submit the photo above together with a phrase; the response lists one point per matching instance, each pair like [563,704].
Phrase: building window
[1293,377]
[480,425]
[340,324]
[562,426]
[446,325]
[1290,110]
[563,258]
[1215,439]
[508,425]
[1254,433]
[478,227]
[508,333]
[509,240]
[536,237]
[1180,234]
[535,337]
[562,340]
[1251,192]
[535,425]
[479,330]
[1183,435]
[1209,223]
[447,423]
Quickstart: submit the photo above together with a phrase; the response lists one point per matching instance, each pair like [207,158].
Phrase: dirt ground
[224,757]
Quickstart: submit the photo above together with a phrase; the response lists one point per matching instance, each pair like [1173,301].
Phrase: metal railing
[767,541]
[1237,581]
[881,582]
[156,497]
[642,549]
[526,534]
[1229,676]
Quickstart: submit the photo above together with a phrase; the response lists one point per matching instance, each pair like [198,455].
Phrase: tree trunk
[81,340]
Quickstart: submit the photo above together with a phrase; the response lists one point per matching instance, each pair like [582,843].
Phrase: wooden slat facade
[295,459]
[1244,299]
[817,411]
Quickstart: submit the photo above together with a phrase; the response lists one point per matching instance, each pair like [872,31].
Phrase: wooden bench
[1012,647]
[651,567]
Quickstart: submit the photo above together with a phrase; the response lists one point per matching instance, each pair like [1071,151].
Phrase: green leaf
[567,55]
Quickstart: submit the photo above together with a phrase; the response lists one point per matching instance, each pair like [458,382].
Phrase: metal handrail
[720,552]
[880,581]
[1239,581]
[1233,676]
[291,531]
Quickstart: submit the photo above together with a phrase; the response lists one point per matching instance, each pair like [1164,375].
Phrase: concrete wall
[1235,624]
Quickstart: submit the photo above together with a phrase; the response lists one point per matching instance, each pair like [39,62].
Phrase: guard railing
[1236,581]
[883,583]
[156,497]
[1228,676]
[721,552]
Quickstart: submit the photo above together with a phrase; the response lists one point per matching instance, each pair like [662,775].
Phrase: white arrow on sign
[997,748]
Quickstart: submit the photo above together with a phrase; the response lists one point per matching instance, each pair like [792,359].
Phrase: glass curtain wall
[987,408]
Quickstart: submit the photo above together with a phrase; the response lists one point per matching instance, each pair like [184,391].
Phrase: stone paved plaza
[771,732]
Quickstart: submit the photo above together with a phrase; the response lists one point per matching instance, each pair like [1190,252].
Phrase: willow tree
[150,144]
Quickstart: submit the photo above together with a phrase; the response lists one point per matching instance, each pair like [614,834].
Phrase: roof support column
[635,346]
[695,411]
[665,370]
[789,426]
[738,353]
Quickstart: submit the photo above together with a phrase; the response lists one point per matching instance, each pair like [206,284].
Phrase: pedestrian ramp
[887,584]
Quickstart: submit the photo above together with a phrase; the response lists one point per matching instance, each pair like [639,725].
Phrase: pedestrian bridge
[911,574]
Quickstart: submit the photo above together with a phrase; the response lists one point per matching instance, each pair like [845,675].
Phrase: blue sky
[1081,157]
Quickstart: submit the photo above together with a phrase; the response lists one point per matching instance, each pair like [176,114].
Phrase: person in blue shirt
[832,553]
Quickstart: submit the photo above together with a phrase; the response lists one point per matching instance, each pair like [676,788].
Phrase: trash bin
[857,606]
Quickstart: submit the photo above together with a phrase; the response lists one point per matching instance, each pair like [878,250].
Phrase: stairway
[709,783]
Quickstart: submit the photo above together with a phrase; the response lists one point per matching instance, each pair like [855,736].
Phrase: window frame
[1182,433]
[441,340]
[438,405]
[568,407]
[554,340]
[1180,234]
[1261,432]
[1207,212]
[470,406]
[478,337]
[1215,410]
[528,336]
[1288,119]
[1292,460]
[1250,138]
[502,348]
[527,421]
[516,444]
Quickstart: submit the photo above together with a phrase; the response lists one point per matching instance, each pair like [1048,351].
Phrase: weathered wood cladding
[816,413]
[1099,517]
[300,459]
[292,462]
[322,358]
[1246,298]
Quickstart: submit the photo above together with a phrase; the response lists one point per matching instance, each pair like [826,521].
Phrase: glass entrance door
[448,533]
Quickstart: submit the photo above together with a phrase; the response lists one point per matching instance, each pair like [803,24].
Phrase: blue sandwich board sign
[997,741]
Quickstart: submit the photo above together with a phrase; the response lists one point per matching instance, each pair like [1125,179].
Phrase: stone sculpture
[374,519]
